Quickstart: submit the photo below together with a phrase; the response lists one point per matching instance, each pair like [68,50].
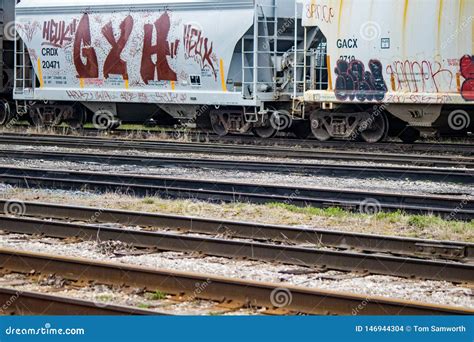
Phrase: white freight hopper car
[416,57]
[337,68]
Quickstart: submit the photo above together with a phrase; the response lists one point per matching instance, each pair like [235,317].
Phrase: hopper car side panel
[156,55]
[397,52]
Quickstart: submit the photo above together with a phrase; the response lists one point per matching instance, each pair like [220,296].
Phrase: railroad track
[28,303]
[220,289]
[294,152]
[313,257]
[283,140]
[464,176]
[317,237]
[453,207]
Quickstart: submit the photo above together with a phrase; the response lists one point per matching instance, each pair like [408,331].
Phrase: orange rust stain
[404,26]
[392,81]
[40,74]
[341,5]
[328,62]
[405,14]
[222,72]
[440,20]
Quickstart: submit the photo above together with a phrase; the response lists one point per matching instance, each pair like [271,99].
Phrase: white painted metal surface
[151,52]
[413,51]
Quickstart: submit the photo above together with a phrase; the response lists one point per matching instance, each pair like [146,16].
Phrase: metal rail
[246,293]
[301,256]
[317,237]
[31,303]
[465,176]
[295,151]
[457,207]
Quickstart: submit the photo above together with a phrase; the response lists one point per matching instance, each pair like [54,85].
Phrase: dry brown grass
[397,224]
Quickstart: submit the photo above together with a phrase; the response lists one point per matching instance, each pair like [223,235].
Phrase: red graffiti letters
[467,71]
[157,52]
[114,64]
[84,50]
[57,34]
[197,46]
[354,82]
[162,50]
[419,77]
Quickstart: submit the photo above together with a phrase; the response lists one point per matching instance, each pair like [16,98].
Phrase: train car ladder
[25,76]
[299,69]
[258,69]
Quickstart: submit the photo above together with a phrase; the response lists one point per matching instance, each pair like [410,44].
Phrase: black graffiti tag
[354,82]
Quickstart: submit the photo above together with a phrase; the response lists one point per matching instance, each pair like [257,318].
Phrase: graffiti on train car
[467,71]
[420,76]
[27,29]
[114,64]
[198,47]
[101,50]
[320,12]
[58,33]
[355,82]
[159,48]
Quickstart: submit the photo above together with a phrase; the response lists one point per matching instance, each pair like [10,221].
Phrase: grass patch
[105,298]
[311,211]
[393,224]
[148,200]
[143,306]
[158,295]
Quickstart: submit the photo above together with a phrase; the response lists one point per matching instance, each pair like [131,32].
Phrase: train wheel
[409,135]
[302,129]
[218,125]
[41,120]
[5,113]
[78,118]
[377,130]
[318,128]
[266,132]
